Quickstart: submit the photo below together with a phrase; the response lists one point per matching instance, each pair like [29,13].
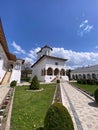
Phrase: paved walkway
[3,91]
[83,110]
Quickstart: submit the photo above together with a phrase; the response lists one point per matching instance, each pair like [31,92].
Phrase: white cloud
[76,59]
[88,28]
[27,59]
[85,21]
[32,53]
[18,48]
[84,28]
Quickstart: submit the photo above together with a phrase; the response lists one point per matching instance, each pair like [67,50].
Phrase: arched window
[62,72]
[49,71]
[56,71]
[93,76]
[73,76]
[42,72]
[76,77]
[80,76]
[88,76]
[84,76]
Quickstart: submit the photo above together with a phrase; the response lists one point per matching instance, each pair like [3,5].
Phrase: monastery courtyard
[82,108]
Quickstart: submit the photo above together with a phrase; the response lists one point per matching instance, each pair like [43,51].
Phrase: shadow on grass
[93,104]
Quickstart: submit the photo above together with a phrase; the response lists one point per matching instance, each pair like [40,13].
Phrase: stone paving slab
[83,110]
[3,91]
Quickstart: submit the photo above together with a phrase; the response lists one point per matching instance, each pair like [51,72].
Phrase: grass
[88,88]
[29,107]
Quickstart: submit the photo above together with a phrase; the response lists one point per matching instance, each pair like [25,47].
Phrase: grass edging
[89,95]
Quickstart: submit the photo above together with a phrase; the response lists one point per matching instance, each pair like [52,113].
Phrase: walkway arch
[56,71]
[88,76]
[93,76]
[49,71]
[62,72]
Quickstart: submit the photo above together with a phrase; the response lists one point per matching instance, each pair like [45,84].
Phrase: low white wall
[65,78]
[49,78]
[16,75]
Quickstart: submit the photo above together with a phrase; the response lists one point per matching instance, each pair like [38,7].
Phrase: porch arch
[49,71]
[56,71]
[62,72]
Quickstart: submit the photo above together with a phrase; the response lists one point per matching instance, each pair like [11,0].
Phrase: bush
[34,83]
[87,81]
[58,81]
[58,118]
[27,79]
[13,83]
[96,95]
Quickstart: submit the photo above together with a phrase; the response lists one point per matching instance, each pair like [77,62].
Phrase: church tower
[46,50]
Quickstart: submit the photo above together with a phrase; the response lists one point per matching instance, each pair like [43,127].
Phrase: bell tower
[46,50]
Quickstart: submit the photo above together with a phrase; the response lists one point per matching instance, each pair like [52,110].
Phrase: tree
[35,83]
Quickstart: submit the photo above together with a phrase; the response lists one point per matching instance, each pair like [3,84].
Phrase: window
[49,71]
[56,63]
[56,71]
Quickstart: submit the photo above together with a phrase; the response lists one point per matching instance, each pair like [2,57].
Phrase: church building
[10,66]
[49,68]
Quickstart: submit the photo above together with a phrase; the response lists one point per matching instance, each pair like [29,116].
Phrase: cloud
[32,53]
[18,49]
[83,23]
[84,28]
[76,59]
[88,28]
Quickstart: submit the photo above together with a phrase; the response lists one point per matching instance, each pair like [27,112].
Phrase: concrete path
[83,110]
[3,91]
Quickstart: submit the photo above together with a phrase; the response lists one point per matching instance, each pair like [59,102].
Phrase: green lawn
[29,108]
[88,88]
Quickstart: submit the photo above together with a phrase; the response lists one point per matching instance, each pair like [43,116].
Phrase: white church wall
[55,61]
[46,63]
[36,70]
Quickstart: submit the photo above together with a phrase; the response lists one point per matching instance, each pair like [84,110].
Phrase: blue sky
[69,27]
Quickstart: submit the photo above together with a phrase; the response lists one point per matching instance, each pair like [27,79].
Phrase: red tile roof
[4,44]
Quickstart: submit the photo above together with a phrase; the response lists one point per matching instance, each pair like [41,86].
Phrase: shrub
[34,83]
[96,95]
[58,118]
[27,79]
[58,81]
[13,83]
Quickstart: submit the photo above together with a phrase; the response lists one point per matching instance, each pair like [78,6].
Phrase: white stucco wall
[81,73]
[16,75]
[2,71]
[46,63]
[3,62]
[16,72]
[36,70]
[4,57]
